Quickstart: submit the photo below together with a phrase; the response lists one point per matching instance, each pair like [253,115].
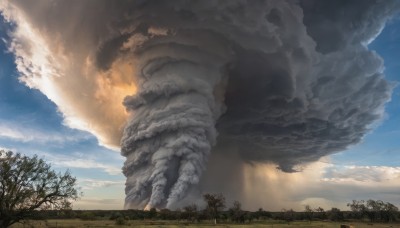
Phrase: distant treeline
[29,188]
[371,210]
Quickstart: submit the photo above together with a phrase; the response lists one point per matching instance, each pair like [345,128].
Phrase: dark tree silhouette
[289,215]
[215,203]
[236,213]
[335,214]
[375,210]
[190,212]
[358,208]
[308,212]
[28,184]
[320,213]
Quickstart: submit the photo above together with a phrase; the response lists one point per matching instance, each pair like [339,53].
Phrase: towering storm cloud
[282,82]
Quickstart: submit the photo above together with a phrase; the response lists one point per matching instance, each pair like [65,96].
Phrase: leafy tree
[320,213]
[288,215]
[249,216]
[28,184]
[308,212]
[335,214]
[261,214]
[215,204]
[375,210]
[190,212]
[152,213]
[358,208]
[236,213]
[390,212]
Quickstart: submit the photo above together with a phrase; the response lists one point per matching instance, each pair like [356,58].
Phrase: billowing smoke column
[172,129]
[296,87]
[281,81]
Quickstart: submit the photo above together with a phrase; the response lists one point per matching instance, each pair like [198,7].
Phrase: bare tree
[28,184]
[215,203]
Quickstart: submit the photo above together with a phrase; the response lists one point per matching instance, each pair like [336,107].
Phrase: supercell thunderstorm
[285,82]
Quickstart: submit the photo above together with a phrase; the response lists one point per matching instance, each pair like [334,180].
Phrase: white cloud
[362,174]
[17,132]
[88,184]
[95,203]
[86,164]
[101,194]
[318,184]
[71,161]
[335,185]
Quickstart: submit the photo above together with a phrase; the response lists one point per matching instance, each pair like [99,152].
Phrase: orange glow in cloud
[114,85]
[110,89]
[88,98]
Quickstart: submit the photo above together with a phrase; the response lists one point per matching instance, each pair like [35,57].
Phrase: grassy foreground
[72,223]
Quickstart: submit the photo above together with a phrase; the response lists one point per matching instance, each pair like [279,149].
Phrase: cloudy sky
[57,120]
[31,124]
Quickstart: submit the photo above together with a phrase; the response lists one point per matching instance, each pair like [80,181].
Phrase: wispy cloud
[70,161]
[94,203]
[87,164]
[88,184]
[102,201]
[17,132]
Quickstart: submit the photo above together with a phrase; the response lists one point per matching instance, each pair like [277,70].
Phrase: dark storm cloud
[291,96]
[286,82]
[291,119]
[345,96]
[336,25]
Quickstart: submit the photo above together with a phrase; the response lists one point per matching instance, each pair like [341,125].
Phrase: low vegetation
[361,214]
[33,195]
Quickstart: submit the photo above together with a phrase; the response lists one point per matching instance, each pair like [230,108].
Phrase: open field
[72,223]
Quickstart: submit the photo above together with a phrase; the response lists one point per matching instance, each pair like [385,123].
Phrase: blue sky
[382,145]
[30,123]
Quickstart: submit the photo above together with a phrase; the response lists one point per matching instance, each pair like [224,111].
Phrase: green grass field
[72,223]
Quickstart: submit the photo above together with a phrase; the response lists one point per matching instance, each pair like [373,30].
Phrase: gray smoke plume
[293,81]
[171,132]
[281,81]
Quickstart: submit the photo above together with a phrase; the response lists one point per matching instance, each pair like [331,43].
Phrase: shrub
[87,216]
[121,221]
